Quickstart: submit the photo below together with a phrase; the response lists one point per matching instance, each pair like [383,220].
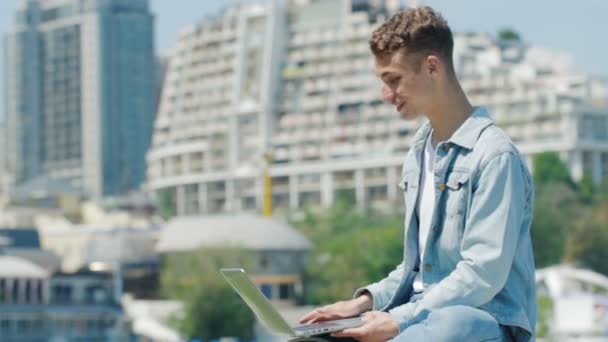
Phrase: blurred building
[38,306]
[49,193]
[162,63]
[279,251]
[25,243]
[80,92]
[538,98]
[326,127]
[219,108]
[4,175]
[215,114]
[334,137]
[130,249]
[151,319]
[579,300]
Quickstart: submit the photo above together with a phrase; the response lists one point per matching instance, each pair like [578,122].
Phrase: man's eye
[392,81]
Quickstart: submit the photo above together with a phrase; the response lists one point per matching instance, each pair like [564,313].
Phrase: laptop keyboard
[315,326]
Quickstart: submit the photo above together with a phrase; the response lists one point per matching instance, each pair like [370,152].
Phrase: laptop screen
[251,294]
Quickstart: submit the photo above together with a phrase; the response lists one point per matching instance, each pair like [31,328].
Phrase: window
[5,326]
[93,294]
[62,293]
[28,291]
[39,292]
[604,166]
[266,290]
[264,262]
[2,293]
[587,163]
[22,326]
[15,295]
[285,291]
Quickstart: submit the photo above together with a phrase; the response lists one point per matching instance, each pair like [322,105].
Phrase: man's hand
[378,327]
[344,309]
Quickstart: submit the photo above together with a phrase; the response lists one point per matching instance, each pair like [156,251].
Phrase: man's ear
[432,65]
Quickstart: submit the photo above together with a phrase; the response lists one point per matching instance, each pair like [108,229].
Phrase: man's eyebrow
[384,74]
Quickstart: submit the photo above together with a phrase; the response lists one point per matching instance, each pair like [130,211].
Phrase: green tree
[587,244]
[166,203]
[509,34]
[353,248]
[545,316]
[587,188]
[548,168]
[216,311]
[212,308]
[556,208]
[602,190]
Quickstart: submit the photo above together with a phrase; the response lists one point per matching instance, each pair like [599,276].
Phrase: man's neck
[449,112]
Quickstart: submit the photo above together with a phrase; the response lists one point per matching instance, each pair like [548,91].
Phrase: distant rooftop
[561,280]
[15,267]
[19,238]
[244,230]
[44,187]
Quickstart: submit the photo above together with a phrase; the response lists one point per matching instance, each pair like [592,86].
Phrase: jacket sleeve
[497,209]
[383,291]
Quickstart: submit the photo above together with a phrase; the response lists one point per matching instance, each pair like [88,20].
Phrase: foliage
[548,168]
[587,188]
[166,203]
[212,308]
[353,248]
[509,34]
[556,208]
[588,242]
[545,316]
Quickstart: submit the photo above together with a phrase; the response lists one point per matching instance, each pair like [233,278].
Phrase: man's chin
[407,115]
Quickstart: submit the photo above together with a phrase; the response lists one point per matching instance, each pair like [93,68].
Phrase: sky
[578,27]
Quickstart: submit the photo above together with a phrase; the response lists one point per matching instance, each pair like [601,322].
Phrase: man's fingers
[308,318]
[322,317]
[368,316]
[311,315]
[351,332]
[314,320]
[305,319]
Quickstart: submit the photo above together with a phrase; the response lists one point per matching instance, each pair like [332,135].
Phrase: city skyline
[81,78]
[586,17]
[322,118]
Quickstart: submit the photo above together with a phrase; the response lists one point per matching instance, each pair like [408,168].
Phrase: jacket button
[428,267]
[441,187]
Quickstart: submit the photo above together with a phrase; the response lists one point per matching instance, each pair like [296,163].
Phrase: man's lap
[454,323]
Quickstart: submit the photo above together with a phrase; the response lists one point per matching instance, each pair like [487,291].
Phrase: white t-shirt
[425,204]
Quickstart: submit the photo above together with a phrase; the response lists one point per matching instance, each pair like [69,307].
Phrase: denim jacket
[479,249]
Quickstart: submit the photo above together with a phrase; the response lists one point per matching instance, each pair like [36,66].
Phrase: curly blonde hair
[418,32]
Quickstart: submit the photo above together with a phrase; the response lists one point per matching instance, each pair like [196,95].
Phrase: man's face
[410,91]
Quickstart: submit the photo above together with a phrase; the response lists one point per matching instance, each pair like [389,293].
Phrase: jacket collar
[465,136]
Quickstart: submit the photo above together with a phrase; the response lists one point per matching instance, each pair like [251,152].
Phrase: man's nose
[388,94]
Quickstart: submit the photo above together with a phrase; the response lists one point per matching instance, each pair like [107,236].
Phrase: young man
[468,269]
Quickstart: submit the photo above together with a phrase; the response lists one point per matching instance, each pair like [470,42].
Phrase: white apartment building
[541,103]
[324,122]
[215,114]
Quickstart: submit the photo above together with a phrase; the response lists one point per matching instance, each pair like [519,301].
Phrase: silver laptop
[270,317]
